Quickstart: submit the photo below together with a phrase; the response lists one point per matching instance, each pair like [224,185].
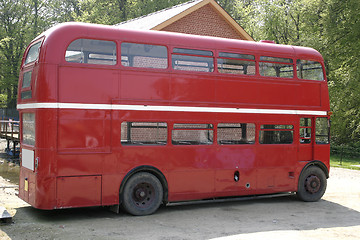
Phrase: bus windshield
[33,53]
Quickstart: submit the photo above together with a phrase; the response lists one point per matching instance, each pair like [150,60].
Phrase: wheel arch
[149,169]
[316,163]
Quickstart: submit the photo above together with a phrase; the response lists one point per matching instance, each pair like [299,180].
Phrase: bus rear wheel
[142,195]
[312,184]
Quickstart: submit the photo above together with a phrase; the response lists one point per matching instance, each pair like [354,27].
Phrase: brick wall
[204,21]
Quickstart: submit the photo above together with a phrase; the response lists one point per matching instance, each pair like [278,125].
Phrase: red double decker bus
[114,117]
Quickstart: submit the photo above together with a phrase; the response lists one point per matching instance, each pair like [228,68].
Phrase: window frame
[156,142]
[145,68]
[94,64]
[212,57]
[299,72]
[210,128]
[277,130]
[272,60]
[322,135]
[39,41]
[240,58]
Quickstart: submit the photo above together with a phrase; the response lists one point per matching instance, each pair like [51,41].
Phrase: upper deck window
[310,70]
[33,53]
[192,60]
[276,67]
[144,55]
[235,63]
[91,52]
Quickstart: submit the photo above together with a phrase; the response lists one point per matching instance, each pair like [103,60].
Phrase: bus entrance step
[5,216]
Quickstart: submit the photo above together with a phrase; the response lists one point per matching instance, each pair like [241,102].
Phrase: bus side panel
[78,191]
[266,93]
[87,85]
[139,85]
[84,131]
[190,88]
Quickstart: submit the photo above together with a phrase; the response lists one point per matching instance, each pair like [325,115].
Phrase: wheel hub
[312,184]
[143,194]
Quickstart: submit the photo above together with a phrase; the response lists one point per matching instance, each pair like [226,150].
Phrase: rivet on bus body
[247,185]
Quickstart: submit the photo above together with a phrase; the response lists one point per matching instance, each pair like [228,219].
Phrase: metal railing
[9,129]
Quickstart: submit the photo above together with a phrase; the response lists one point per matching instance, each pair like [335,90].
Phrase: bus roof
[60,36]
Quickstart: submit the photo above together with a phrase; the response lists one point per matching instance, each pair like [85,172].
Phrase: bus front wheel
[312,184]
[142,195]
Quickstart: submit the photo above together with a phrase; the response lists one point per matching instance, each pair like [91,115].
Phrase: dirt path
[337,216]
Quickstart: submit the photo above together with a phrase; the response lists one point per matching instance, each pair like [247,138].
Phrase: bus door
[235,158]
[314,138]
[306,140]
[276,158]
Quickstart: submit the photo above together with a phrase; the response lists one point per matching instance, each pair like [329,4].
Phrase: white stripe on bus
[164,108]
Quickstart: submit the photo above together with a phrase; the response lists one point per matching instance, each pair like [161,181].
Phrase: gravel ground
[336,216]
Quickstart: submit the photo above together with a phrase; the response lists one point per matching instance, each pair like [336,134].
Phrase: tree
[13,29]
[341,37]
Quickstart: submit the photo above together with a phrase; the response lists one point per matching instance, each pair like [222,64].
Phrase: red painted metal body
[79,158]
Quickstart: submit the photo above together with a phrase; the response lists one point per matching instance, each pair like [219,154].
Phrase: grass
[345,162]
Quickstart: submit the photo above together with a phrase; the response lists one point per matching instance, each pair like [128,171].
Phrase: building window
[235,63]
[305,130]
[192,134]
[91,51]
[236,133]
[322,131]
[192,60]
[144,56]
[143,133]
[310,70]
[276,134]
[276,67]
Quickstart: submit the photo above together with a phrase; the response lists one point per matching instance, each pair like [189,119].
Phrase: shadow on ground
[184,222]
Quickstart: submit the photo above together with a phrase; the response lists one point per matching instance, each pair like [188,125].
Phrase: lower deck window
[276,134]
[192,134]
[143,133]
[305,130]
[236,133]
[28,128]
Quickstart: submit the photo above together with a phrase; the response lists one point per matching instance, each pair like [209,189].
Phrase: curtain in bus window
[143,55]
[310,70]
[92,52]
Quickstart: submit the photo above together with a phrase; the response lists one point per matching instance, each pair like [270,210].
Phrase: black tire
[312,184]
[142,195]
